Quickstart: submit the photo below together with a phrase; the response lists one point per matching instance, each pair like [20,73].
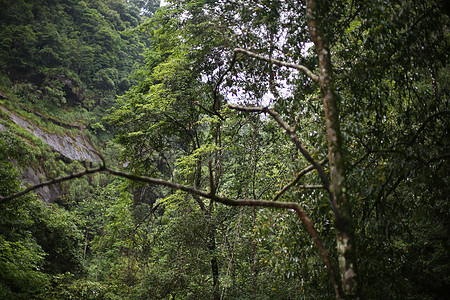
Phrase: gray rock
[74,148]
[48,193]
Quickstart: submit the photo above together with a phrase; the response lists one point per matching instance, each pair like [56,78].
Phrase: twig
[146,216]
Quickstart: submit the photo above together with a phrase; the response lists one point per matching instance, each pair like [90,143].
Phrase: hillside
[62,66]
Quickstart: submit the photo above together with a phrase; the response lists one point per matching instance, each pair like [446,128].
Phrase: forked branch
[254,203]
[297,179]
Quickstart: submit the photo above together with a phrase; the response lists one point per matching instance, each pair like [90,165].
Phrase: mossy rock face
[54,152]
[74,147]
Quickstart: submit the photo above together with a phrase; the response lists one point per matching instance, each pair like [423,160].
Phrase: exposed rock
[74,148]
[53,120]
[48,193]
[71,147]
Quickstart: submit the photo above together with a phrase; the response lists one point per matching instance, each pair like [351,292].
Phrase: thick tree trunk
[343,220]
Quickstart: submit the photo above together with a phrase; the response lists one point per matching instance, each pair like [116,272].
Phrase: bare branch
[255,203]
[307,71]
[208,111]
[50,182]
[322,251]
[297,179]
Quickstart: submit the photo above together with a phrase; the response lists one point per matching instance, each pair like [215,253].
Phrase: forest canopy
[268,149]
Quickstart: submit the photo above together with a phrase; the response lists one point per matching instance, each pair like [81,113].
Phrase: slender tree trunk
[214,266]
[214,179]
[255,260]
[211,244]
[85,246]
[343,219]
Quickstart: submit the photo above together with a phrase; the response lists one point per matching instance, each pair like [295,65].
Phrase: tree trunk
[343,220]
[214,266]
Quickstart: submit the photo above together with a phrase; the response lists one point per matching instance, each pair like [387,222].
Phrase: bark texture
[343,220]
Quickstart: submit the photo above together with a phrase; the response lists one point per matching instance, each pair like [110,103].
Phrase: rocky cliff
[72,147]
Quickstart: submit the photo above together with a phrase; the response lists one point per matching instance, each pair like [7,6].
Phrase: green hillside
[62,65]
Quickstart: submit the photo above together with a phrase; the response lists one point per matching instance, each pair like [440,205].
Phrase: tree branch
[298,144]
[143,219]
[307,71]
[216,88]
[254,203]
[298,177]
[208,111]
[424,124]
[224,200]
[50,182]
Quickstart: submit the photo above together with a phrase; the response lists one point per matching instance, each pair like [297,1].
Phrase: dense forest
[224,149]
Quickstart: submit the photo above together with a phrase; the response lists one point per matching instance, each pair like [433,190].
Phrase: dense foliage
[127,240]
[62,63]
[75,54]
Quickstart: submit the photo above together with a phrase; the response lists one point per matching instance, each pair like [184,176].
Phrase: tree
[36,241]
[361,100]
